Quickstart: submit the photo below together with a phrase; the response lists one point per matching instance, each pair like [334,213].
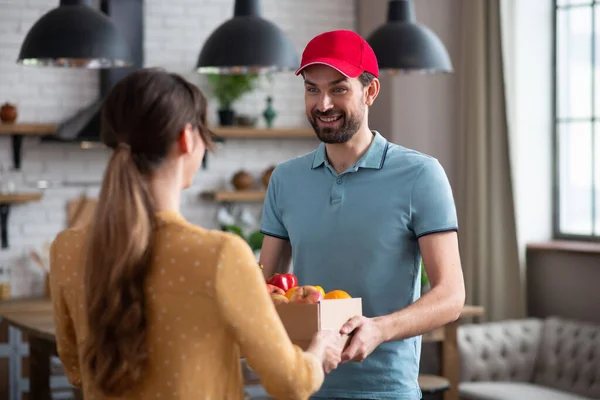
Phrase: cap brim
[344,68]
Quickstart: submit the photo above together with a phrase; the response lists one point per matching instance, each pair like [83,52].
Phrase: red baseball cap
[343,50]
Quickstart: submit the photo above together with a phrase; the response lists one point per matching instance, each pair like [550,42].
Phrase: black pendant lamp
[75,35]
[247,43]
[403,45]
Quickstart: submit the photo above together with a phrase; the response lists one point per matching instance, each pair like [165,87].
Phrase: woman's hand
[327,346]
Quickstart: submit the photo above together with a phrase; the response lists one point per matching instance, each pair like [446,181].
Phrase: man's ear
[372,92]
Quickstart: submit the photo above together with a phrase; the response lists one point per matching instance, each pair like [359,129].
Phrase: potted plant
[228,89]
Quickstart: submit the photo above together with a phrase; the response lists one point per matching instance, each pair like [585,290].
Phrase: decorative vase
[269,114]
[226,117]
[8,113]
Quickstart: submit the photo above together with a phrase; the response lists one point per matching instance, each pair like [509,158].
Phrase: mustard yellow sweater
[206,304]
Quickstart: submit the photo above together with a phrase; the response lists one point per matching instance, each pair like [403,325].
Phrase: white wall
[175,31]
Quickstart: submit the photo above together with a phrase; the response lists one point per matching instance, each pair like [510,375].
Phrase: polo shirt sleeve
[432,203]
[271,222]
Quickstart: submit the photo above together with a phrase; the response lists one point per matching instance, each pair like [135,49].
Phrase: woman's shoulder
[68,240]
[65,252]
[189,236]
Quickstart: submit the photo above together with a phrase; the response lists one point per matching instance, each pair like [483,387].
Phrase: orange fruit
[337,294]
[321,290]
[288,294]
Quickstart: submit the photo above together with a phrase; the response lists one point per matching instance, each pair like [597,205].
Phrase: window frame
[556,188]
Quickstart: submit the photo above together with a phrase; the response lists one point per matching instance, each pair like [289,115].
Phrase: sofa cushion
[499,351]
[569,357]
[511,391]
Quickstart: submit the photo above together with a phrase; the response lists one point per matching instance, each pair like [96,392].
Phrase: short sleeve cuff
[432,202]
[437,230]
[270,231]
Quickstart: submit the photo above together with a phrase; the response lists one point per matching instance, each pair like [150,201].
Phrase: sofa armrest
[499,351]
[570,357]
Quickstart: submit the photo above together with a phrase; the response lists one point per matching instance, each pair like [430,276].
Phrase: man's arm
[276,250]
[434,222]
[275,256]
[441,305]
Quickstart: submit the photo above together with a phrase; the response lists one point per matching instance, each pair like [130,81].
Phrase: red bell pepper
[283,281]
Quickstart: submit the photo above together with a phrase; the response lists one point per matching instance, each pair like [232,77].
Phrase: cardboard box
[302,321]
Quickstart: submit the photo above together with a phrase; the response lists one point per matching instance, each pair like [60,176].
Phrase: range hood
[128,17]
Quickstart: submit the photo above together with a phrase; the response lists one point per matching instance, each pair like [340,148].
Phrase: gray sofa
[530,359]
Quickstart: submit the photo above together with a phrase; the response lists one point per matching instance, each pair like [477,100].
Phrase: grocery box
[302,320]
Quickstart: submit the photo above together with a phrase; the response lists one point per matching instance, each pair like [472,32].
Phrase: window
[577,119]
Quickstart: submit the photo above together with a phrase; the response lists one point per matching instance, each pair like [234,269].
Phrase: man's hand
[366,336]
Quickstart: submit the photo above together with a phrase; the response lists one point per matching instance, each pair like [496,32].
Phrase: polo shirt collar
[373,157]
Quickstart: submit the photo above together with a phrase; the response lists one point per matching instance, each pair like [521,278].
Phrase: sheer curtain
[484,192]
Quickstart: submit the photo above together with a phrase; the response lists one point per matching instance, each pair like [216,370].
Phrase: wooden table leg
[40,352]
[451,360]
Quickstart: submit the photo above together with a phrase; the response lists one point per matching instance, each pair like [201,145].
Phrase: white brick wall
[175,31]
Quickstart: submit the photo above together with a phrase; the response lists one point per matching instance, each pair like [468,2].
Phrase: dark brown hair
[142,118]
[366,78]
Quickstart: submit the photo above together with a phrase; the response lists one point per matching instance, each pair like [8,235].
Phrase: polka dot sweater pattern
[207,306]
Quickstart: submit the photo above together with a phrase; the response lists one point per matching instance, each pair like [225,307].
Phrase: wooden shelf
[241,132]
[232,196]
[6,200]
[226,132]
[19,198]
[27,129]
[17,131]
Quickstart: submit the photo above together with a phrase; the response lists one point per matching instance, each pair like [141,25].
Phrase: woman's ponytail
[118,257]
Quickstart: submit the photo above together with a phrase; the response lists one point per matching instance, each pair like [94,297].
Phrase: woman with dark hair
[147,305]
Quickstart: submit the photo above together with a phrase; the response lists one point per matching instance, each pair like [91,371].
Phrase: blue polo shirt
[358,231]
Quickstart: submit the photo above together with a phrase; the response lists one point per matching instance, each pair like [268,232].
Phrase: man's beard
[350,125]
